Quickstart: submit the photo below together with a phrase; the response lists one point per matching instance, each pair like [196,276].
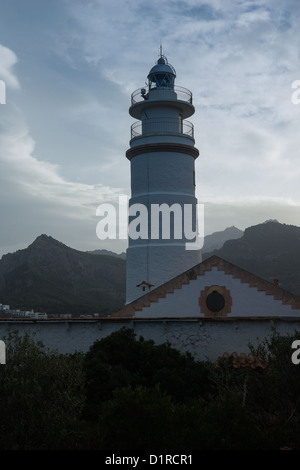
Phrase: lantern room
[162,75]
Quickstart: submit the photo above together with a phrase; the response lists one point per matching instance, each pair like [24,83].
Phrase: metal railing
[162,126]
[183,94]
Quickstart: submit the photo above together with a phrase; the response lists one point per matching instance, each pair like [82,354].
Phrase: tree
[142,418]
[121,360]
[41,395]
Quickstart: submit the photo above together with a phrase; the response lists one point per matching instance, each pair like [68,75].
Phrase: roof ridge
[263,285]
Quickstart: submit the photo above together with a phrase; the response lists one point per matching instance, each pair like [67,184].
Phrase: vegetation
[41,395]
[128,393]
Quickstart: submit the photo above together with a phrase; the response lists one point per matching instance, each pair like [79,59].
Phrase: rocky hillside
[48,276]
[270,249]
[108,253]
[216,240]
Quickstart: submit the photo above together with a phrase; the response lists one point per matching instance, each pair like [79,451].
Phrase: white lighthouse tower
[163,206]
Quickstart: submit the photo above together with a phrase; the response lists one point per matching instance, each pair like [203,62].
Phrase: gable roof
[200,269]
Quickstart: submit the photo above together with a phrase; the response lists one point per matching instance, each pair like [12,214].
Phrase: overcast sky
[70,67]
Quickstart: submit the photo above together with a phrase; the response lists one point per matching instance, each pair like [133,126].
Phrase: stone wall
[203,338]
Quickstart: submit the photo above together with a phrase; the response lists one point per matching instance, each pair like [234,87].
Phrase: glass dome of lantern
[162,75]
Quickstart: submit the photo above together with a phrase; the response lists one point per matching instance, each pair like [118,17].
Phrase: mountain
[269,250]
[48,276]
[211,242]
[217,239]
[107,253]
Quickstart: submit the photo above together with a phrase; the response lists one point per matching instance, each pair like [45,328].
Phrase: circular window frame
[225,293]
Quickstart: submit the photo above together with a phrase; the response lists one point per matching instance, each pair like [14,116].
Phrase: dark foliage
[41,395]
[121,360]
[128,393]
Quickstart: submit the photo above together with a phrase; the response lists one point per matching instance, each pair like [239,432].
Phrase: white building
[216,289]
[162,158]
[4,307]
[36,315]
[164,279]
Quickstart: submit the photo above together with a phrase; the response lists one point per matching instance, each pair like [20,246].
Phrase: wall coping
[151,319]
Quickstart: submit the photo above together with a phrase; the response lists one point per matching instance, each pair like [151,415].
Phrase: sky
[69,68]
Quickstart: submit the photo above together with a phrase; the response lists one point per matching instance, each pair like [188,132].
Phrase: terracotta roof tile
[240,361]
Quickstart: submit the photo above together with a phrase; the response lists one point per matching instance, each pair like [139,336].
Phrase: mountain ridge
[52,277]
[217,239]
[269,250]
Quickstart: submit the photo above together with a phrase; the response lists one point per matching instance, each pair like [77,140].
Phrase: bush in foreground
[126,393]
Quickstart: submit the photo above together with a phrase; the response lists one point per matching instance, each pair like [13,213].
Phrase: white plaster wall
[246,301]
[160,178]
[204,339]
[162,171]
[157,265]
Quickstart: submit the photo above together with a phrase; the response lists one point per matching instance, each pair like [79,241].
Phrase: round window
[215,301]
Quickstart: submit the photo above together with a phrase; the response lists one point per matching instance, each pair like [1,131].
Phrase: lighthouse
[163,225]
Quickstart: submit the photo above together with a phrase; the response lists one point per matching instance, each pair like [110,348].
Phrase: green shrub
[41,395]
[121,360]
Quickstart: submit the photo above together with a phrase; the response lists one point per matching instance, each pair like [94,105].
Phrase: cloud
[7,61]
[34,197]
[243,214]
[239,59]
[65,132]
